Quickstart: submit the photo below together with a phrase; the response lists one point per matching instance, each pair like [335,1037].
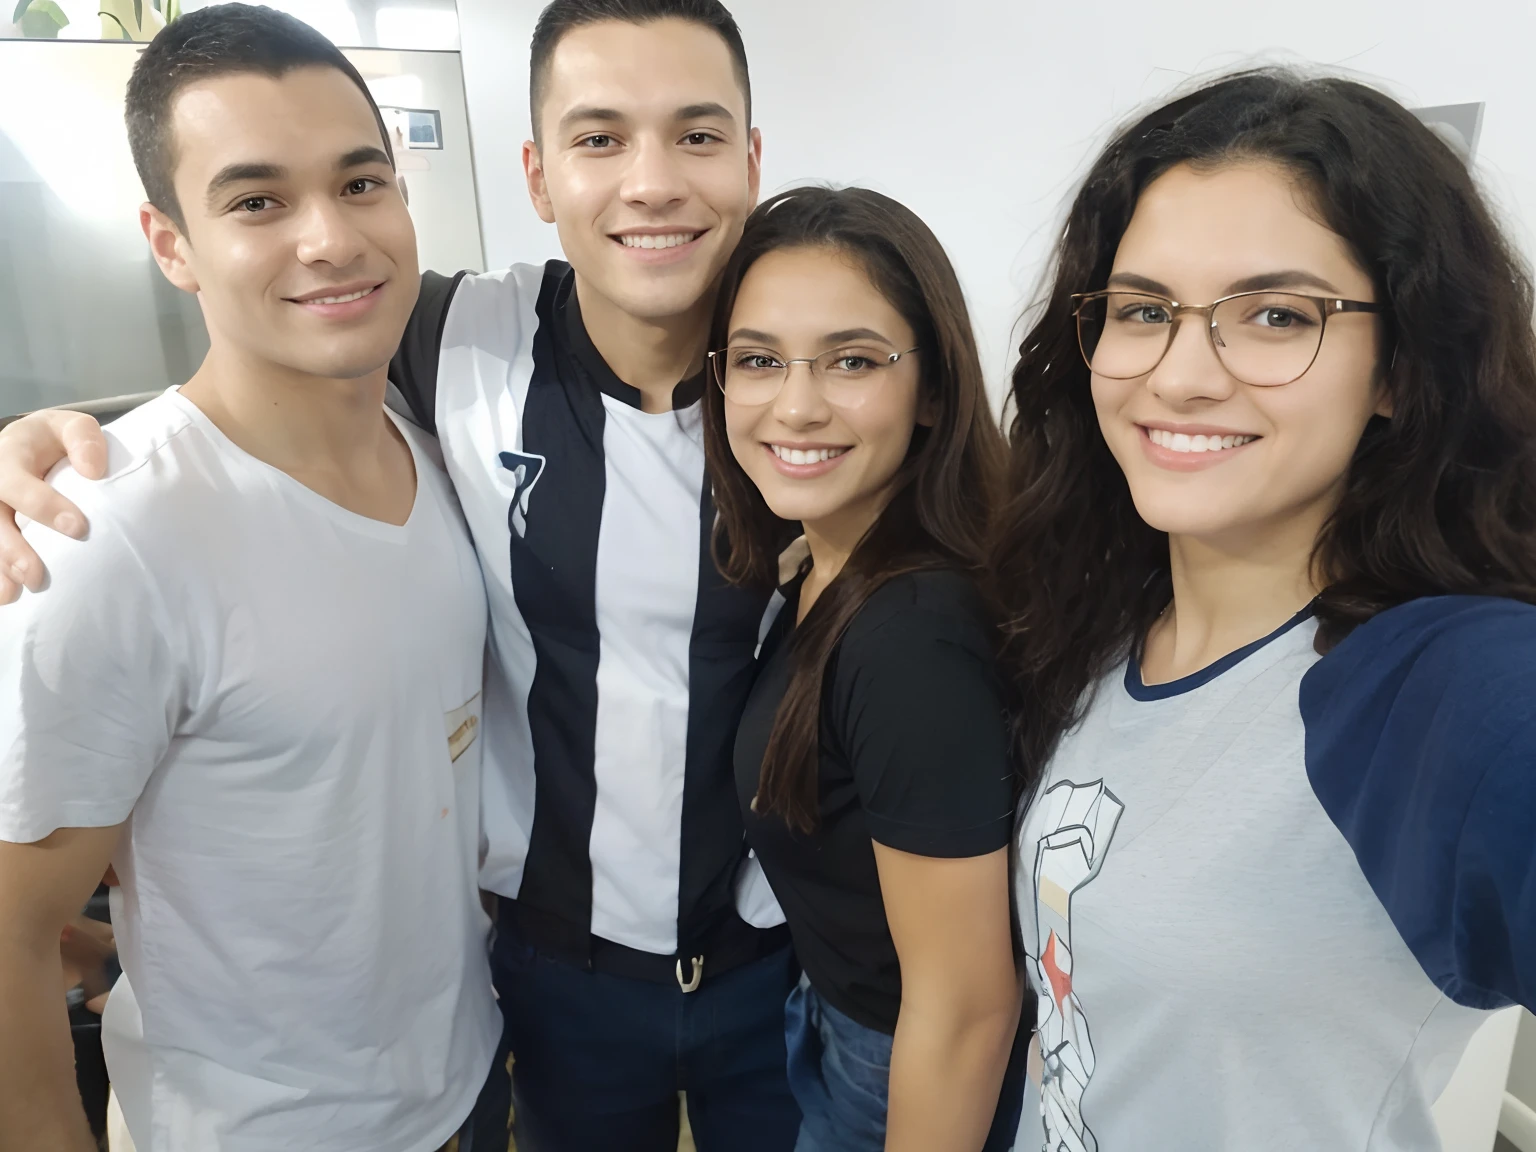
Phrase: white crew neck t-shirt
[282,699]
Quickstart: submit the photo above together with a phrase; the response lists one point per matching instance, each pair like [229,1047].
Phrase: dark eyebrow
[848,334]
[368,154]
[752,334]
[239,173]
[831,338]
[1139,284]
[1290,278]
[587,112]
[705,111]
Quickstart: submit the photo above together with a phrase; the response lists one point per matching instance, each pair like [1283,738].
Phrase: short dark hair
[562,16]
[224,40]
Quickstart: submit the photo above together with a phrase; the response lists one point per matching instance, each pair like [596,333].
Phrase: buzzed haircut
[562,16]
[224,40]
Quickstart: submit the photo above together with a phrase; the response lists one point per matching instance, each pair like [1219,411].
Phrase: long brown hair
[1440,498]
[944,492]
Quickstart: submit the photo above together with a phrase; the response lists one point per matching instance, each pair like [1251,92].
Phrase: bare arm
[42,887]
[960,996]
[29,448]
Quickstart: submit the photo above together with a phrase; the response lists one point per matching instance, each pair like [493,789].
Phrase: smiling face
[645,162]
[296,239]
[827,463]
[1206,455]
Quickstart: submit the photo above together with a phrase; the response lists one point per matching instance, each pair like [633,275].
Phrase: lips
[805,455]
[657,240]
[1199,442]
[341,302]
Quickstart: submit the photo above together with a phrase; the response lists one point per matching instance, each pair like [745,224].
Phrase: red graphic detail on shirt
[1061,982]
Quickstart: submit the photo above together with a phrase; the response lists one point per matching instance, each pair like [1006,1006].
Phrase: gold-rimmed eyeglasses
[1262,338]
[751,375]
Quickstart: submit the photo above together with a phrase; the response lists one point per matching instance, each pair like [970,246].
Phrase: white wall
[980,114]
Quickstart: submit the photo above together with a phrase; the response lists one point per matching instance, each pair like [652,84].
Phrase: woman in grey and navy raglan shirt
[1272,561]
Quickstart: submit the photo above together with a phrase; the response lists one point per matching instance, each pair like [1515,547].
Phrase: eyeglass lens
[1263,338]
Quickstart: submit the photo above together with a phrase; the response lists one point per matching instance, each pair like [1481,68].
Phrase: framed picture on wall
[417,128]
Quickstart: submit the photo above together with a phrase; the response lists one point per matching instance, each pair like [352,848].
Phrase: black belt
[732,944]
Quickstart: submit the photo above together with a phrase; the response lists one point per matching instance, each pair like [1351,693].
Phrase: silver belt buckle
[696,974]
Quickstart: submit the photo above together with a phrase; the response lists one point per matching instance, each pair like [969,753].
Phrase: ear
[927,410]
[1384,390]
[538,187]
[755,164]
[169,247]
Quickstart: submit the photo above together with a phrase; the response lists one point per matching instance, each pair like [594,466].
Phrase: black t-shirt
[914,754]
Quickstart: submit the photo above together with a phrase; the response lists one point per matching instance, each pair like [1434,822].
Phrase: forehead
[307,115]
[812,290]
[645,71]
[1204,228]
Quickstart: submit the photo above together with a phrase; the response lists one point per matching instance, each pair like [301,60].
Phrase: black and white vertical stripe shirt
[621,659]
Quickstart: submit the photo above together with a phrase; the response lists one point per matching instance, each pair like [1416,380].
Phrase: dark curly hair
[1440,498]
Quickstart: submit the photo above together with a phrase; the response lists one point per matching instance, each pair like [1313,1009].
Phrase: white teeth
[674,240]
[342,299]
[1182,442]
[805,455]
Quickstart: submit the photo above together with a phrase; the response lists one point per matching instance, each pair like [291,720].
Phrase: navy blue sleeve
[1421,747]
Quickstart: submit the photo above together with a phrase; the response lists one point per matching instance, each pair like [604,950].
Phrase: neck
[648,355]
[1230,593]
[294,421]
[832,540]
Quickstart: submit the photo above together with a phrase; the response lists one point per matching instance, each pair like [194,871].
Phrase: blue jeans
[840,1073]
[599,1060]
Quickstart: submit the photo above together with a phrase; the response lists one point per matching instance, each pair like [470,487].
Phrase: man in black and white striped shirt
[639,952]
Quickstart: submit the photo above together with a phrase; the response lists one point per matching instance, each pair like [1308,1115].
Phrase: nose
[1190,370]
[654,177]
[326,236]
[800,403]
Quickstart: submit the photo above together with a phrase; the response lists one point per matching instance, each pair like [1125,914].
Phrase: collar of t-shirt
[687,393]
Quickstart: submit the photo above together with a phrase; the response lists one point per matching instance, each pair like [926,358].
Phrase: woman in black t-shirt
[872,761]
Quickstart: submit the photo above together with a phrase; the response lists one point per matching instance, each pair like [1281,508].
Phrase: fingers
[83,442]
[19,565]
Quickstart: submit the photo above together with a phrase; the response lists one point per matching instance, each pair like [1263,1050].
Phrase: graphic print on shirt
[1082,820]
[526,468]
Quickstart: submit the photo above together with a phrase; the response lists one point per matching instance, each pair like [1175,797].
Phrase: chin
[1187,515]
[798,506]
[664,297]
[344,366]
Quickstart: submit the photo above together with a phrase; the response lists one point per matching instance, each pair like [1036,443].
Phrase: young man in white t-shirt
[279,760]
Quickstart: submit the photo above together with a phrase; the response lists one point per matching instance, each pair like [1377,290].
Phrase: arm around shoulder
[29,449]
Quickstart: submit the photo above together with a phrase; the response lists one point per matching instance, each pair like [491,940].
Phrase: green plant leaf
[41,19]
[138,13]
[20,8]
